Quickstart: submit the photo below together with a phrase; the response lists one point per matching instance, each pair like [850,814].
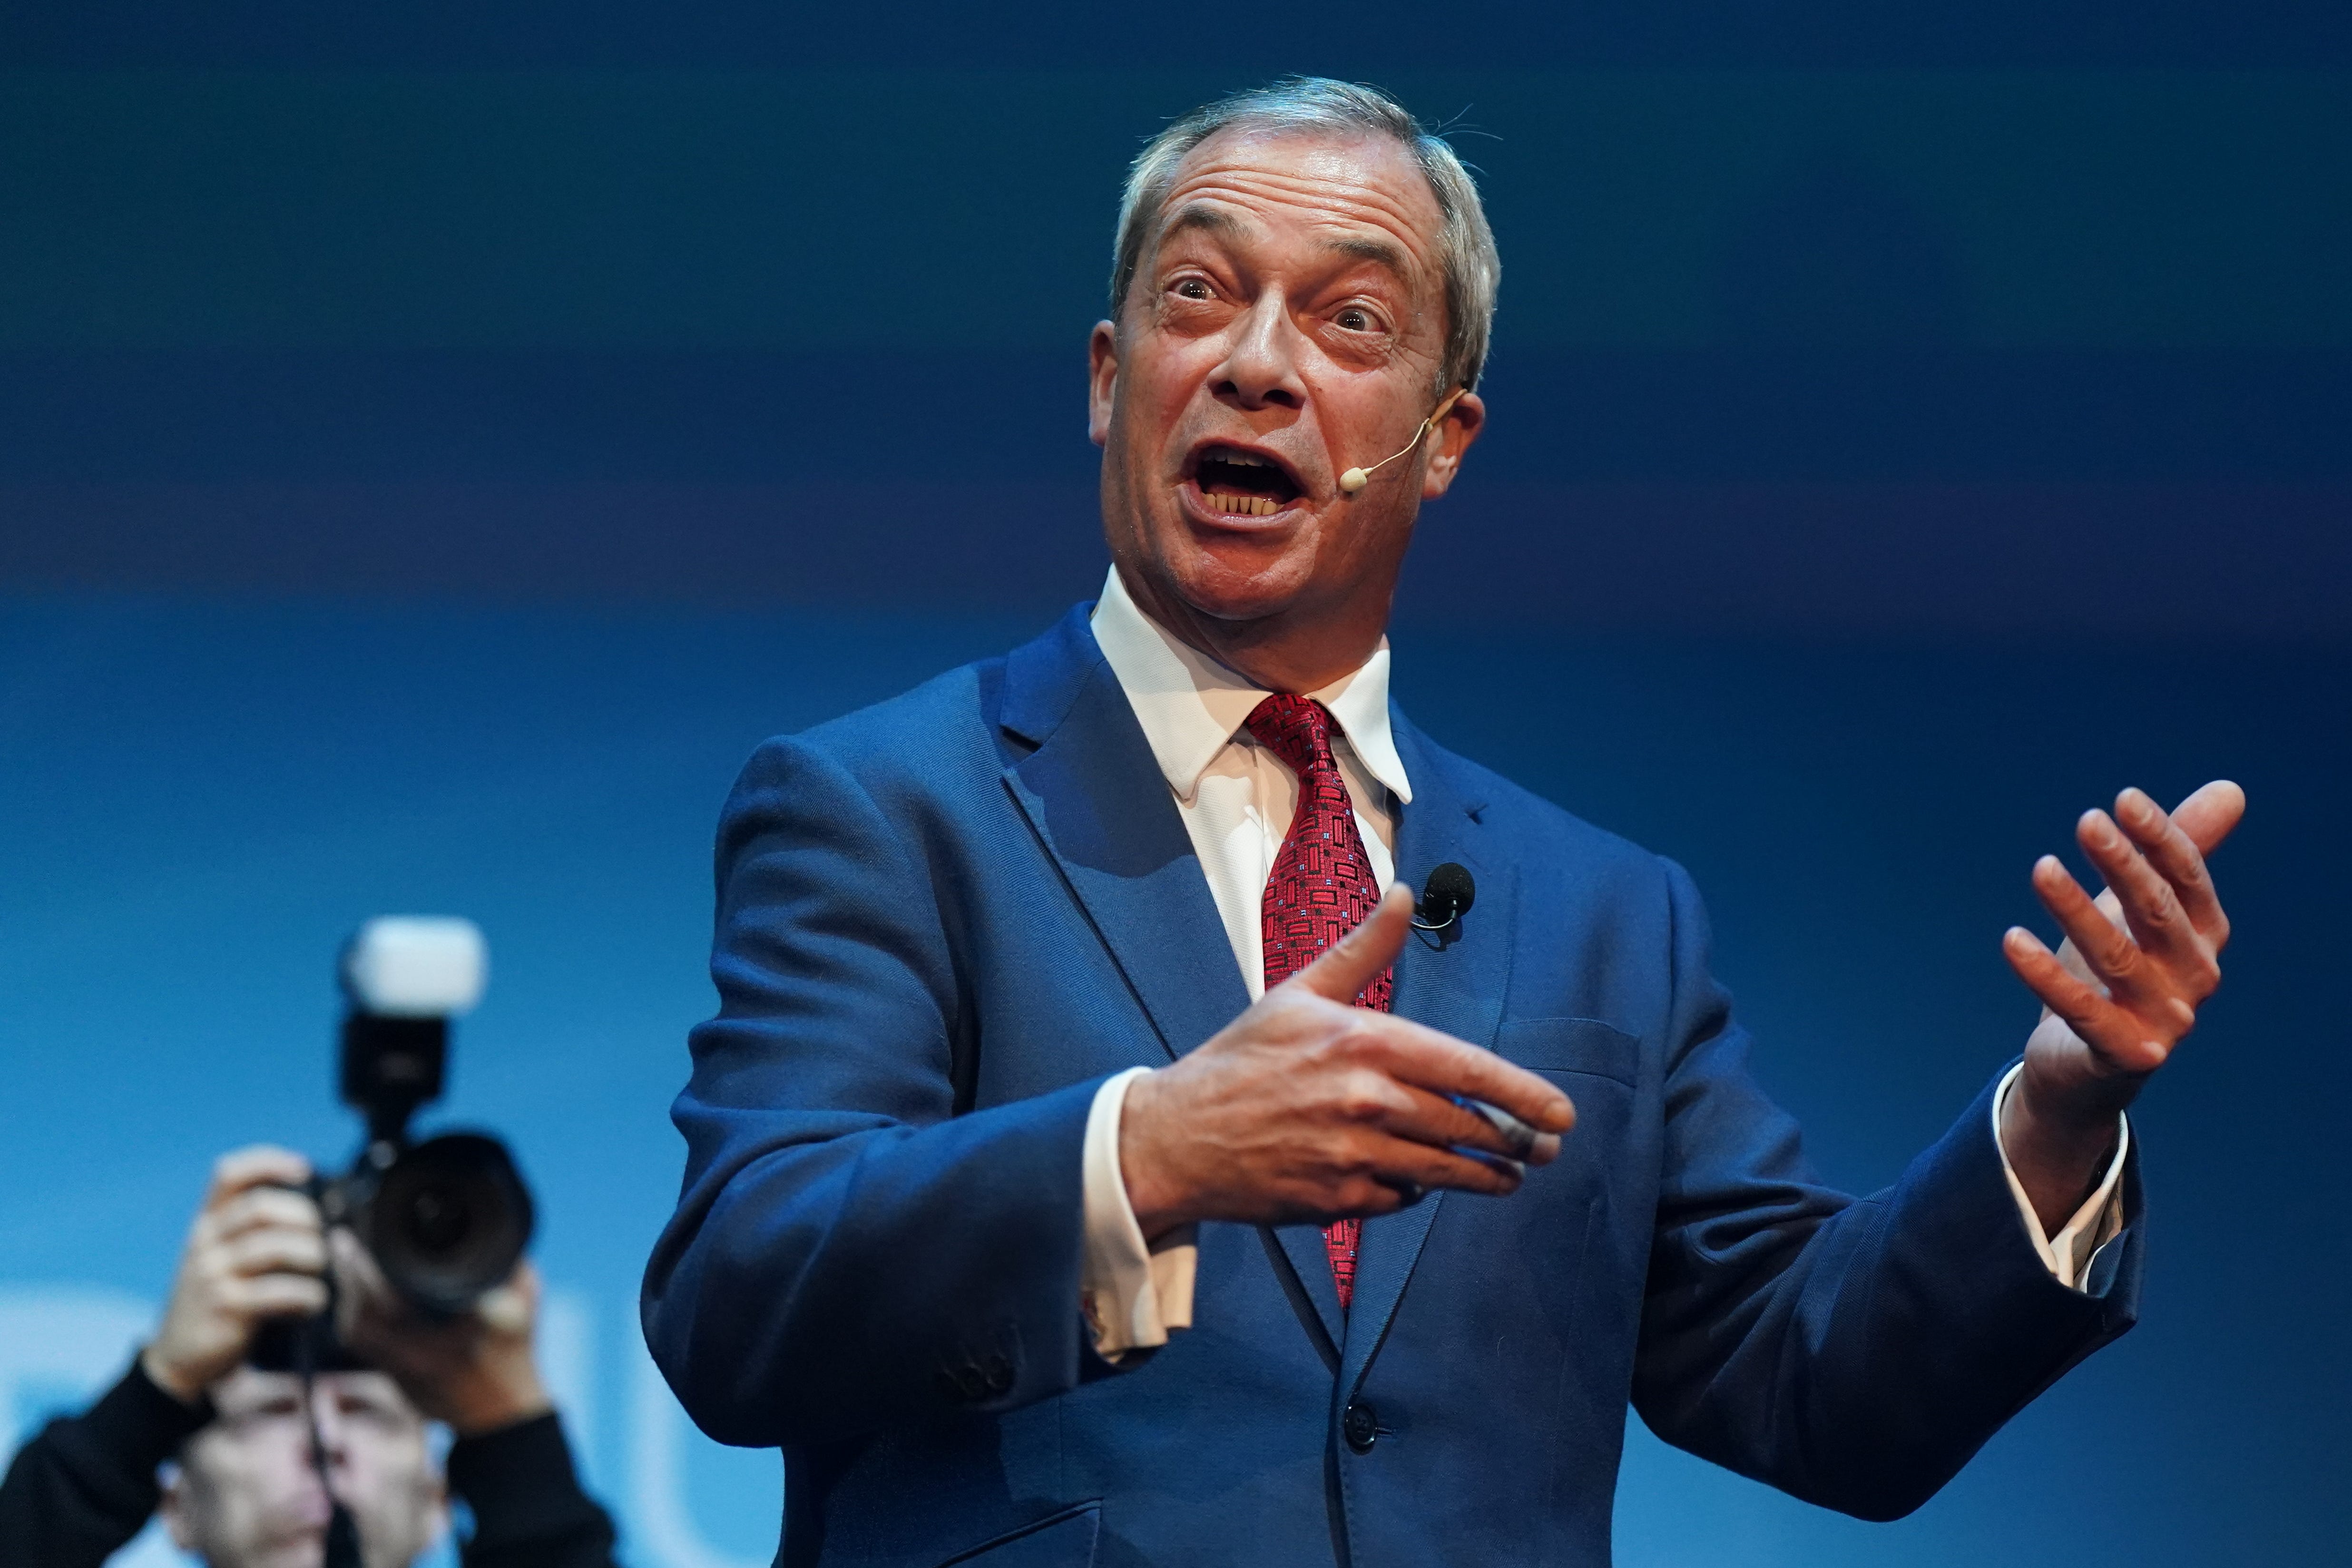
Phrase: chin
[1240,579]
[306,1551]
[1245,590]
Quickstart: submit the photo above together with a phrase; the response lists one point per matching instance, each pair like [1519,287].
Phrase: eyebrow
[1378,252]
[1200,215]
[1216,220]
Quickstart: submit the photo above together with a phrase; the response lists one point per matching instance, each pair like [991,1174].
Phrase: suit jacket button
[971,1383]
[1360,1427]
[999,1374]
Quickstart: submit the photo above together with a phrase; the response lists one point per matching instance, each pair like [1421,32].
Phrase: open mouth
[1243,484]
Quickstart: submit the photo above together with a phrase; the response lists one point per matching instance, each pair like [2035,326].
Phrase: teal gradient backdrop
[203,798]
[436,442]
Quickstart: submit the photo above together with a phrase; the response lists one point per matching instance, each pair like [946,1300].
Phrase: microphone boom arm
[1353,481]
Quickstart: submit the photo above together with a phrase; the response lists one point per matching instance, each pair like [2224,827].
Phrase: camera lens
[448,1220]
[437,1221]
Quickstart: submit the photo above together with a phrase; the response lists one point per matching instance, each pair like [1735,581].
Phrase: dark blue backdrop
[436,443]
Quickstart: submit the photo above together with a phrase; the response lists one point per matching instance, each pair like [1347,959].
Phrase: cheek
[390,1466]
[1158,384]
[251,1507]
[269,1468]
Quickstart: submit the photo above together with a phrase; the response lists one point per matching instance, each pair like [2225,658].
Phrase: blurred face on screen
[246,1495]
[1286,322]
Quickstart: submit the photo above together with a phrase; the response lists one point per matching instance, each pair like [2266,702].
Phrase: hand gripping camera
[446,1219]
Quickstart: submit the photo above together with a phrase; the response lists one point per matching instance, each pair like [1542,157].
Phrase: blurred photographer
[250,1451]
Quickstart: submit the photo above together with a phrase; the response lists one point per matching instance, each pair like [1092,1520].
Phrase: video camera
[447,1218]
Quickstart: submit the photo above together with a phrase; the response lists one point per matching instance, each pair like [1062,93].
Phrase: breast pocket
[1066,1540]
[1584,1046]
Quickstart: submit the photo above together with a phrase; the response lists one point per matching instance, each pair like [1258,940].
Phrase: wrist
[172,1378]
[1150,1197]
[2057,1150]
[2075,1116]
[494,1404]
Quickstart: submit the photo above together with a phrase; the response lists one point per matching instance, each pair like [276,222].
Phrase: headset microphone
[1355,479]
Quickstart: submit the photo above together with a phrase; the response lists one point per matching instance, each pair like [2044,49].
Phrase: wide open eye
[1193,289]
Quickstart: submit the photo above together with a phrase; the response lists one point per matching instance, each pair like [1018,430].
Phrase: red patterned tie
[1320,886]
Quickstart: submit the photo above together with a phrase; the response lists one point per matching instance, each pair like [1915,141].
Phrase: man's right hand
[257,1251]
[1308,1108]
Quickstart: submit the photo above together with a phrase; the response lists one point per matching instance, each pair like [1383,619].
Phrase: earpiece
[1353,481]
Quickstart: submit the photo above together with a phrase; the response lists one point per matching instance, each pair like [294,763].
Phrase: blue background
[438,443]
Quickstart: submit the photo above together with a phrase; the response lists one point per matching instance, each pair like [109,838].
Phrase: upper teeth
[1250,458]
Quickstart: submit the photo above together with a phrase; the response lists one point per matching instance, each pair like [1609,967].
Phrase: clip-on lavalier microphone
[1446,897]
[1355,479]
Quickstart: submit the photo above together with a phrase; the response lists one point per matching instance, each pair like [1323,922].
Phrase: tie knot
[1296,729]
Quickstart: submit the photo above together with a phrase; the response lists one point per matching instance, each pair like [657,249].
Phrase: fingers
[1417,1054]
[1343,972]
[1440,1121]
[276,1250]
[259,1230]
[2210,813]
[2177,858]
[2110,1032]
[364,1287]
[1402,1161]
[265,1209]
[258,1164]
[276,1296]
[2106,949]
[510,1307]
[2150,906]
[1524,1143]
[1380,1175]
[504,1311]
[368,1315]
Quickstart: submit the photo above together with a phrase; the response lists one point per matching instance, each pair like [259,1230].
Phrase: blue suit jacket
[943,921]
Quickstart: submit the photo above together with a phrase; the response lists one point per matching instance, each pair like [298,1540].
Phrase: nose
[328,1411]
[1261,364]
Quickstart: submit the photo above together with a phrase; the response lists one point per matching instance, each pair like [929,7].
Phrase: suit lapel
[1456,988]
[1100,805]
[1302,1244]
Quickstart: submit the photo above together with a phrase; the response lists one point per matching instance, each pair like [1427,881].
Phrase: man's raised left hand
[2121,991]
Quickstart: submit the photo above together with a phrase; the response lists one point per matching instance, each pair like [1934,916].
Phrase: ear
[1102,381]
[1455,432]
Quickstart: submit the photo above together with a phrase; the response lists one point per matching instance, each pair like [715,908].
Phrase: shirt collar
[1191,706]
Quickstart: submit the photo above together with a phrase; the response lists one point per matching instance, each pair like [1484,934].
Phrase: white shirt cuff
[2068,1254]
[1132,1294]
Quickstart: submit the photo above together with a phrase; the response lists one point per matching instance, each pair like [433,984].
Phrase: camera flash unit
[415,966]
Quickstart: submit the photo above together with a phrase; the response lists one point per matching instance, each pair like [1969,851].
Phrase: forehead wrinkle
[1353,202]
[1372,170]
[1207,217]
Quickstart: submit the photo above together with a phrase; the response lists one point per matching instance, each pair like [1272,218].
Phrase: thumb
[1343,972]
[2209,814]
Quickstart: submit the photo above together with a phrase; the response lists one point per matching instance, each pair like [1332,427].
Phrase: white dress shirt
[1236,799]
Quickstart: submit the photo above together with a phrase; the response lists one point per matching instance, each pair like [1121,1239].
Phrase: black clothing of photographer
[266,1458]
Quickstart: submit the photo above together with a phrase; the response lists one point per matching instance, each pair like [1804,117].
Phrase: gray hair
[1465,246]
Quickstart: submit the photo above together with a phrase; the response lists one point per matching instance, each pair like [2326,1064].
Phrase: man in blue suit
[1088,1162]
